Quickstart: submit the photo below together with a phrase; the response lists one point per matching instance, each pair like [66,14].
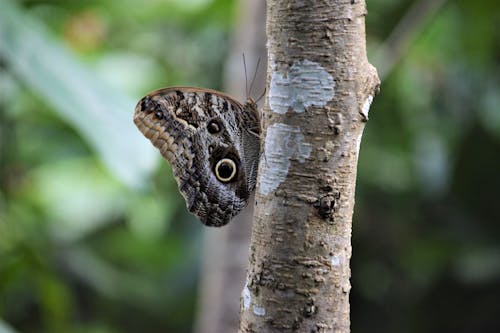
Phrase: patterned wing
[203,135]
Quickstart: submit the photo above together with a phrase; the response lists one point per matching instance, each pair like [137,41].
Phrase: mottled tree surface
[320,87]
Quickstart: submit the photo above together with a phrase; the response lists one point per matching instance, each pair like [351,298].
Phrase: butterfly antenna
[246,77]
[261,95]
[254,75]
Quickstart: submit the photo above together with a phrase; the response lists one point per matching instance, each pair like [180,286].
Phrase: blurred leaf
[478,265]
[102,115]
[107,279]
[477,32]
[78,196]
[56,302]
[110,67]
[392,170]
[150,216]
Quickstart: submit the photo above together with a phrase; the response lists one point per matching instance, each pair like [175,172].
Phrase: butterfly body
[212,144]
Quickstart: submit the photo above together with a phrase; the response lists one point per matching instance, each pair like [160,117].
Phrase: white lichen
[336,260]
[306,83]
[358,142]
[259,311]
[246,297]
[283,143]
[366,106]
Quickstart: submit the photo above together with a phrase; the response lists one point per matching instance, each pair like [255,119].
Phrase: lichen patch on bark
[304,84]
[259,311]
[366,107]
[246,297]
[283,143]
[337,260]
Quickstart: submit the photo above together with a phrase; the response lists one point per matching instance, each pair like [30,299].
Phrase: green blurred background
[94,241]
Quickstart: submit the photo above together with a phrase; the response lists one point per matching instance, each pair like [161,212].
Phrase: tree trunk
[320,87]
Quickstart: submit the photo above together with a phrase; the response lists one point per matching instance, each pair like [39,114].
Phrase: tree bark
[320,87]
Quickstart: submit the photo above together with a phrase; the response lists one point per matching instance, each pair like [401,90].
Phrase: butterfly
[212,143]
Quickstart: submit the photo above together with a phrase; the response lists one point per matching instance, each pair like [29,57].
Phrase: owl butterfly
[212,144]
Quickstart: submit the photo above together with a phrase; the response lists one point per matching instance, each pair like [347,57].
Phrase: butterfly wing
[203,134]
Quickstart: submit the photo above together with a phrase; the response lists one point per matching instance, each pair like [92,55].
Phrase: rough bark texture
[320,87]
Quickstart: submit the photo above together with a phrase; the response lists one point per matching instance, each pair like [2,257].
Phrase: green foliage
[94,237]
[88,234]
[426,224]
